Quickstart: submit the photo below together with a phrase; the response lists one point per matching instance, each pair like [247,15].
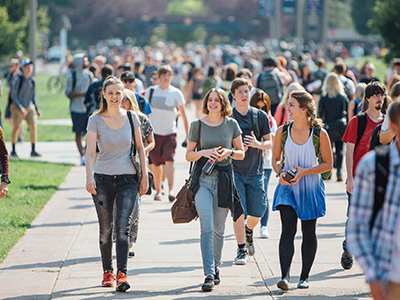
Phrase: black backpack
[381,179]
[270,83]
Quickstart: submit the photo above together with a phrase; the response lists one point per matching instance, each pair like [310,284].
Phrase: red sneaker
[122,282]
[108,278]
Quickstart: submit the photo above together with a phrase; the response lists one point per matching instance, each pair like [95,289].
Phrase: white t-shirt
[386,121]
[164,104]
[268,153]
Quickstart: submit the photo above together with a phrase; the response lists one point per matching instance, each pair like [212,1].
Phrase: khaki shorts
[17,118]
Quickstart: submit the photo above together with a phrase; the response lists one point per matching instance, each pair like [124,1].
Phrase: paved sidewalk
[59,257]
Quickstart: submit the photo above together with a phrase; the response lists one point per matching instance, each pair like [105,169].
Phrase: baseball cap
[127,75]
[26,62]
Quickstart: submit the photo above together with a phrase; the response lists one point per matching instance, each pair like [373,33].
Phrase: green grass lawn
[33,184]
[45,133]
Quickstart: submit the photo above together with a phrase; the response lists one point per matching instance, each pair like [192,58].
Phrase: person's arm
[237,153]
[35,104]
[149,143]
[182,112]
[385,137]
[350,110]
[4,165]
[277,156]
[14,94]
[144,184]
[327,159]
[349,166]
[91,139]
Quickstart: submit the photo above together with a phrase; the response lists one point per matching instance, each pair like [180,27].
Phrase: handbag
[184,209]
[136,160]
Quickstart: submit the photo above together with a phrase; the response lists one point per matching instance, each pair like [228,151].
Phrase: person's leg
[157,173]
[308,247]
[78,140]
[239,226]
[157,161]
[168,155]
[286,242]
[104,202]
[204,206]
[265,217]
[339,159]
[17,120]
[126,197]
[134,228]
[170,174]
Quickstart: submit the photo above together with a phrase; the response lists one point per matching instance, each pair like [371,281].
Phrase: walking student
[249,172]
[23,106]
[111,177]
[260,100]
[215,191]
[303,196]
[373,230]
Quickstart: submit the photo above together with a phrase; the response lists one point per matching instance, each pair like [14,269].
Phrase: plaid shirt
[373,250]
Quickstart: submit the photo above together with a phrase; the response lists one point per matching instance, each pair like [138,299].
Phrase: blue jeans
[267,175]
[123,191]
[212,223]
[251,193]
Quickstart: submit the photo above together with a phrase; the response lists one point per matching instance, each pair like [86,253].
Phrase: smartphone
[289,175]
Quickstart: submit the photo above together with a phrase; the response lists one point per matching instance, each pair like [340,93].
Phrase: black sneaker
[217,280]
[249,244]
[346,261]
[208,284]
[13,154]
[240,259]
[35,154]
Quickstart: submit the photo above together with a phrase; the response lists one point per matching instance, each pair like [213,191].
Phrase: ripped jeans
[123,191]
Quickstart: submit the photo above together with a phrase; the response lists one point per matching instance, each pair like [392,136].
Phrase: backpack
[374,141]
[346,89]
[254,120]
[362,124]
[316,132]
[141,103]
[21,79]
[270,83]
[381,180]
[208,84]
[151,92]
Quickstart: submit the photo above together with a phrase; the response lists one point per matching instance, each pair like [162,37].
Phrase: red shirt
[350,136]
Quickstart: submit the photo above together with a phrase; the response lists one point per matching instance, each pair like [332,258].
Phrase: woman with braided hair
[301,197]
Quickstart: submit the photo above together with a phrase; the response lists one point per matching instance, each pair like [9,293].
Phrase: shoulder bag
[184,210]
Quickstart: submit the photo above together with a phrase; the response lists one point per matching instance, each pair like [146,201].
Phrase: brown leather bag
[184,209]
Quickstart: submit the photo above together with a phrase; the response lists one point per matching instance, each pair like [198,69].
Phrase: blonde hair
[332,86]
[294,86]
[360,90]
[130,96]
[306,100]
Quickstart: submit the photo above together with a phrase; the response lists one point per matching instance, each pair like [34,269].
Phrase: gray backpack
[269,82]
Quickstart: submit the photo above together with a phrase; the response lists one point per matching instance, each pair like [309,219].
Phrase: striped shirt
[374,250]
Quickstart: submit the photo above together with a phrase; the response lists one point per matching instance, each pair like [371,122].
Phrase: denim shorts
[252,194]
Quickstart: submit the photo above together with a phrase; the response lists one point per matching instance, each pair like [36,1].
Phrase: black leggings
[286,243]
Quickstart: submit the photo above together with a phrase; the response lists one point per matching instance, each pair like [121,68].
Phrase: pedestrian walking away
[249,172]
[212,180]
[300,193]
[111,177]
[373,227]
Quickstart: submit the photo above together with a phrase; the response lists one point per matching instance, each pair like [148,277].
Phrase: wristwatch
[233,152]
[5,179]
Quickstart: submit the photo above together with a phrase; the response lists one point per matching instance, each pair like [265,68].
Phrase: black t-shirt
[252,164]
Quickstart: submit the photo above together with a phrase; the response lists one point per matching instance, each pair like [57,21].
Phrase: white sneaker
[264,232]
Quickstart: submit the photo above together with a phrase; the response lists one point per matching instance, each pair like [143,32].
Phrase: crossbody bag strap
[197,149]
[132,127]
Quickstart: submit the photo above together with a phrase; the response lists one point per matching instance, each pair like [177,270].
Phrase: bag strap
[381,180]
[254,115]
[151,95]
[362,124]
[197,148]
[284,138]
[132,127]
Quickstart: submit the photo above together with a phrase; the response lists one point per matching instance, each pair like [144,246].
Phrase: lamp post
[66,25]
[32,32]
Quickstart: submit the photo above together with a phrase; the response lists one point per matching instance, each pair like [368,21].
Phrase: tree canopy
[362,11]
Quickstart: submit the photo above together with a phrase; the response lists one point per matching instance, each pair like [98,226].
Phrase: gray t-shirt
[214,136]
[115,146]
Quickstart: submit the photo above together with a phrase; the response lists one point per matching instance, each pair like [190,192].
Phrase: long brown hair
[111,80]
[226,109]
[258,96]
[306,100]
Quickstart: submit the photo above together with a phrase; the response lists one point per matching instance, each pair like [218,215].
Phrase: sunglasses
[125,99]
[128,80]
[260,107]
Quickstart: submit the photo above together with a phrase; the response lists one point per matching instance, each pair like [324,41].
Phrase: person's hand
[39,113]
[282,180]
[212,153]
[379,290]
[251,141]
[144,184]
[349,185]
[3,189]
[91,186]
[23,112]
[184,143]
[224,153]
[300,174]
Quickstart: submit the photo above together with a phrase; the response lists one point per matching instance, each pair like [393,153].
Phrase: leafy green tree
[186,8]
[387,23]
[362,12]
[342,19]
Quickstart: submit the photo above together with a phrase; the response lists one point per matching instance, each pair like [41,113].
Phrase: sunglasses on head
[128,80]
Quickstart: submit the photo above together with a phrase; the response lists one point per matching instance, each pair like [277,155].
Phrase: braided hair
[306,100]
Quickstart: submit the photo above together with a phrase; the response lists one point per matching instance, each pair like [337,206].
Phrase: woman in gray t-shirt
[111,177]
[218,133]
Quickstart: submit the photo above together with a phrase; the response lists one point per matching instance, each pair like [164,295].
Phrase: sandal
[171,198]
[157,197]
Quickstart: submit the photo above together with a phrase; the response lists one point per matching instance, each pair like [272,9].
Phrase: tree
[362,12]
[186,8]
[387,23]
[342,20]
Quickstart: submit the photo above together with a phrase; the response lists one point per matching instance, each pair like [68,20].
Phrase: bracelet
[233,152]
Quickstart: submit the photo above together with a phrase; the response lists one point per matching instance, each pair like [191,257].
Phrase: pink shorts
[164,149]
